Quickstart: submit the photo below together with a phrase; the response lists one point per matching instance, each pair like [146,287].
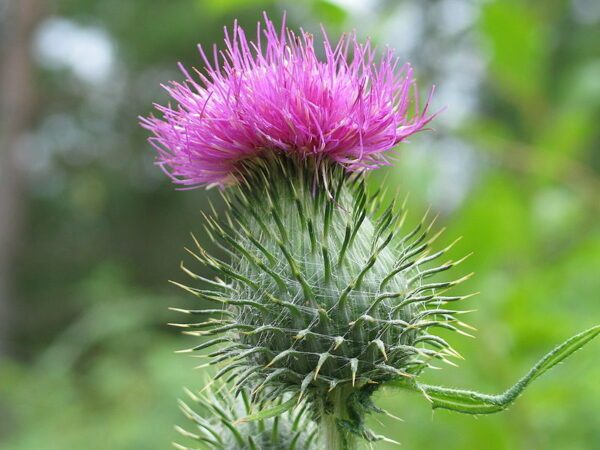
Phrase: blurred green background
[90,230]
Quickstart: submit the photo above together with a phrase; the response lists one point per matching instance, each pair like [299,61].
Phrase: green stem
[334,436]
[469,402]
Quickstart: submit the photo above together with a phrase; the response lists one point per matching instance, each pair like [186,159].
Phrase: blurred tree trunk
[16,115]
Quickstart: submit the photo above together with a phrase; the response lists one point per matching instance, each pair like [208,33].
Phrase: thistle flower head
[275,94]
[324,296]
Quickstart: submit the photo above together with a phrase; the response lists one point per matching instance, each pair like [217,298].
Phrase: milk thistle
[324,297]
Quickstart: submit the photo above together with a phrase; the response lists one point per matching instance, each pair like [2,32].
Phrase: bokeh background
[91,230]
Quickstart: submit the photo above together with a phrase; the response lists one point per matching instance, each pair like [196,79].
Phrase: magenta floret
[276,95]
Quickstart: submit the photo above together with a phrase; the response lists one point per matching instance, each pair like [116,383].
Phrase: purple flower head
[276,95]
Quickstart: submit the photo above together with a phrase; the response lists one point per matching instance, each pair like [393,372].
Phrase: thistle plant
[325,295]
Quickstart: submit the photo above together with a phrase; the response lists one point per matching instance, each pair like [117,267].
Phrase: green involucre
[323,289]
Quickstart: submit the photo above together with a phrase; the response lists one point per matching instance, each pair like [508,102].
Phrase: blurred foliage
[516,175]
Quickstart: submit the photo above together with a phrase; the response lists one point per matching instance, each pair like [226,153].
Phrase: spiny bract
[222,426]
[323,289]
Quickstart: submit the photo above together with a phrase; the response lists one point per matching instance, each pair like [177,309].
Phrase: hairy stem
[334,436]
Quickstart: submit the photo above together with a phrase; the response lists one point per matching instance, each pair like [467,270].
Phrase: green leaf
[470,402]
[271,412]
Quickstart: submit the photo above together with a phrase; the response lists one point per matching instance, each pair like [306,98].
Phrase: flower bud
[223,424]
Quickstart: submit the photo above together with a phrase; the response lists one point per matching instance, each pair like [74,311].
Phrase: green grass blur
[512,166]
